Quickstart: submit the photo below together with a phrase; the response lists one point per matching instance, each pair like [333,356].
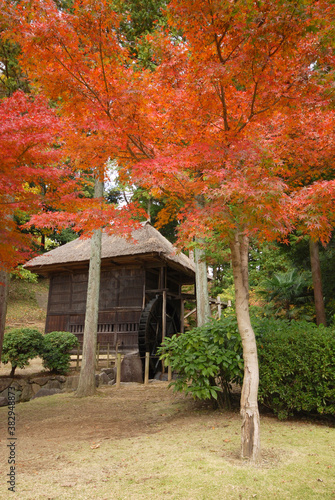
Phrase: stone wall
[37,386]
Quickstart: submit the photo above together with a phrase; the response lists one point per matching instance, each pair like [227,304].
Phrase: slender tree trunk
[317,283]
[250,435]
[4,287]
[201,283]
[86,386]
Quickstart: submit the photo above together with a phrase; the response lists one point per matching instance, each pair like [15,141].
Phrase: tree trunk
[201,283]
[4,287]
[86,386]
[250,435]
[317,283]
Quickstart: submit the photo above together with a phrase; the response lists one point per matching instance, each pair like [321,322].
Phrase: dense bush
[207,360]
[19,346]
[297,367]
[55,353]
[296,362]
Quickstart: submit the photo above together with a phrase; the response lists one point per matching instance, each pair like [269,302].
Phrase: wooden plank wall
[120,305]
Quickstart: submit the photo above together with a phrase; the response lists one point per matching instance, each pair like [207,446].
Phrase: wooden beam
[182,312]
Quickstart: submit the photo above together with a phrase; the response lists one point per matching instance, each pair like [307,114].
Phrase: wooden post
[108,355]
[146,368]
[218,301]
[163,322]
[78,351]
[118,370]
[143,298]
[97,357]
[182,319]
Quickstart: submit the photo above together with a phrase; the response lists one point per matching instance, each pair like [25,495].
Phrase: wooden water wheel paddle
[150,334]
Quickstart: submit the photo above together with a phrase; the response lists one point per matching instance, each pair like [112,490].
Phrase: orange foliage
[234,112]
[75,59]
[31,172]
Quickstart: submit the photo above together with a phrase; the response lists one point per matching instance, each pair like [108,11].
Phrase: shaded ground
[141,442]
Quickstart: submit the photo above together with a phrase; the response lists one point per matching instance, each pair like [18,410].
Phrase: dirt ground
[49,430]
[147,442]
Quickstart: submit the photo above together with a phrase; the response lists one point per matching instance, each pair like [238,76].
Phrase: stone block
[5,383]
[46,392]
[35,388]
[3,401]
[27,392]
[103,378]
[53,384]
[108,371]
[40,380]
[131,369]
[71,383]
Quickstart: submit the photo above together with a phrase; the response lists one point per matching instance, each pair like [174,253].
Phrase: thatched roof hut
[147,244]
[140,279]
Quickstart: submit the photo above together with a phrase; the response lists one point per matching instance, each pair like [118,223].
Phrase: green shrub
[20,345]
[296,363]
[56,347]
[297,367]
[207,360]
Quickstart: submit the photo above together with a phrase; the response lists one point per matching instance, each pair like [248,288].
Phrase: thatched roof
[147,242]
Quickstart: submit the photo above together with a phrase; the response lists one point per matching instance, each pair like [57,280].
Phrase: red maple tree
[31,172]
[77,58]
[213,108]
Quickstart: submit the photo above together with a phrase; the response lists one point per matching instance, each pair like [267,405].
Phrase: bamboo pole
[146,368]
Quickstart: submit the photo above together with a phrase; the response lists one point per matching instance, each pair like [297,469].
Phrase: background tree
[306,146]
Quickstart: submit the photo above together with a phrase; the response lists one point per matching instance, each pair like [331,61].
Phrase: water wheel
[151,331]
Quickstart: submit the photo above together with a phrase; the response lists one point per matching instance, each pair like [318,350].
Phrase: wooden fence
[105,356]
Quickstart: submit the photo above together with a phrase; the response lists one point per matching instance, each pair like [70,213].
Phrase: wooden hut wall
[120,305]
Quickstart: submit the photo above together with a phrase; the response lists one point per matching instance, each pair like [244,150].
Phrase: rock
[60,378]
[46,392]
[40,380]
[35,388]
[3,401]
[17,384]
[27,392]
[5,383]
[103,378]
[161,376]
[111,382]
[131,369]
[108,371]
[53,384]
[71,383]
